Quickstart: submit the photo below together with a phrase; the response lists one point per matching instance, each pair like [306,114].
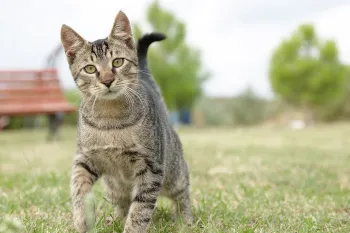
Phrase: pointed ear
[122,30]
[71,42]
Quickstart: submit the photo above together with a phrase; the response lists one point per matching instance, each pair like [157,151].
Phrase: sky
[236,37]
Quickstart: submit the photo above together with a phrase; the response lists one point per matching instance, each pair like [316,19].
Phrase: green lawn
[243,180]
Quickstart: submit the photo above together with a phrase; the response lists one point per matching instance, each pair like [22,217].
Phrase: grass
[243,180]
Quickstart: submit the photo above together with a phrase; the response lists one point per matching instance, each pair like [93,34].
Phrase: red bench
[32,92]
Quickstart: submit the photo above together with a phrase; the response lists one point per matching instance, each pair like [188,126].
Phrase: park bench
[33,92]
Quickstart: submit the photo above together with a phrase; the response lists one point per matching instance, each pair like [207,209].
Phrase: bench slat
[21,86]
[17,72]
[31,92]
[33,97]
[4,102]
[23,110]
[26,81]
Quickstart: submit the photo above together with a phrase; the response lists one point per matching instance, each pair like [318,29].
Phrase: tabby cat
[124,136]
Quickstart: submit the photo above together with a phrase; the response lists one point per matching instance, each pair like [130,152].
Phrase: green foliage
[339,109]
[16,122]
[214,111]
[176,65]
[247,108]
[72,97]
[305,71]
[19,122]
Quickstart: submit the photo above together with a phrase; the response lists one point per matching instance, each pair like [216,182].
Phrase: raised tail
[143,44]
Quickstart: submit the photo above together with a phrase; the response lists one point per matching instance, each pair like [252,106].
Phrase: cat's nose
[107,79]
[108,82]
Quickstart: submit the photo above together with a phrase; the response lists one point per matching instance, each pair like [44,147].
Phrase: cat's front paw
[109,221]
[80,225]
[188,220]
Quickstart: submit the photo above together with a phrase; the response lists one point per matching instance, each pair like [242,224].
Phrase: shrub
[73,97]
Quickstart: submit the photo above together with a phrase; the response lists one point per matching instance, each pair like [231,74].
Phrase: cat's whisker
[142,100]
[127,82]
[130,101]
[137,95]
[92,109]
[86,103]
[74,91]
[129,93]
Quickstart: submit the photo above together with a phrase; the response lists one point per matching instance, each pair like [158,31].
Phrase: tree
[176,65]
[305,71]
[339,109]
[248,108]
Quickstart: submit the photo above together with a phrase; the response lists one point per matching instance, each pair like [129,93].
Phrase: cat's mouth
[111,93]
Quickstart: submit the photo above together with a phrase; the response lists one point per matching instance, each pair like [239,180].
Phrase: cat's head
[104,68]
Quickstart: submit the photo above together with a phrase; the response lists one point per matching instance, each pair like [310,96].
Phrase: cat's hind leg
[180,194]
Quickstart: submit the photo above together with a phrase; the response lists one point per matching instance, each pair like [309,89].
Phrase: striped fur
[124,137]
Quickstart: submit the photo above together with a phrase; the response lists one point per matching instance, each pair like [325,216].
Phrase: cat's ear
[122,30]
[71,41]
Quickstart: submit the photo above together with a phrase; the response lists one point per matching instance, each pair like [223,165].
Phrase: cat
[124,136]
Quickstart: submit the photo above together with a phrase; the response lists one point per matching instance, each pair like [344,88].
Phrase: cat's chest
[110,150]
[91,138]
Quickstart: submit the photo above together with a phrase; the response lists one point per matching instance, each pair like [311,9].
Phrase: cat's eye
[118,62]
[90,69]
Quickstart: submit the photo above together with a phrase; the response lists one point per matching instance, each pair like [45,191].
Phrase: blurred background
[224,63]
[238,77]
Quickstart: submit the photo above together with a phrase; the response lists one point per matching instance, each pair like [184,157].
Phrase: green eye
[90,69]
[118,62]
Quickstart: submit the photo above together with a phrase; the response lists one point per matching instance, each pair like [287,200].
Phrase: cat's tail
[143,44]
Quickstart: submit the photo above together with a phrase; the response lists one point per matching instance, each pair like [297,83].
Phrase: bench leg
[55,121]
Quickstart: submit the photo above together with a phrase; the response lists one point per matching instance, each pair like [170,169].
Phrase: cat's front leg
[148,182]
[82,180]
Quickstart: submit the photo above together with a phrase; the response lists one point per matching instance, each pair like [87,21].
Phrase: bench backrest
[28,86]
[31,92]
